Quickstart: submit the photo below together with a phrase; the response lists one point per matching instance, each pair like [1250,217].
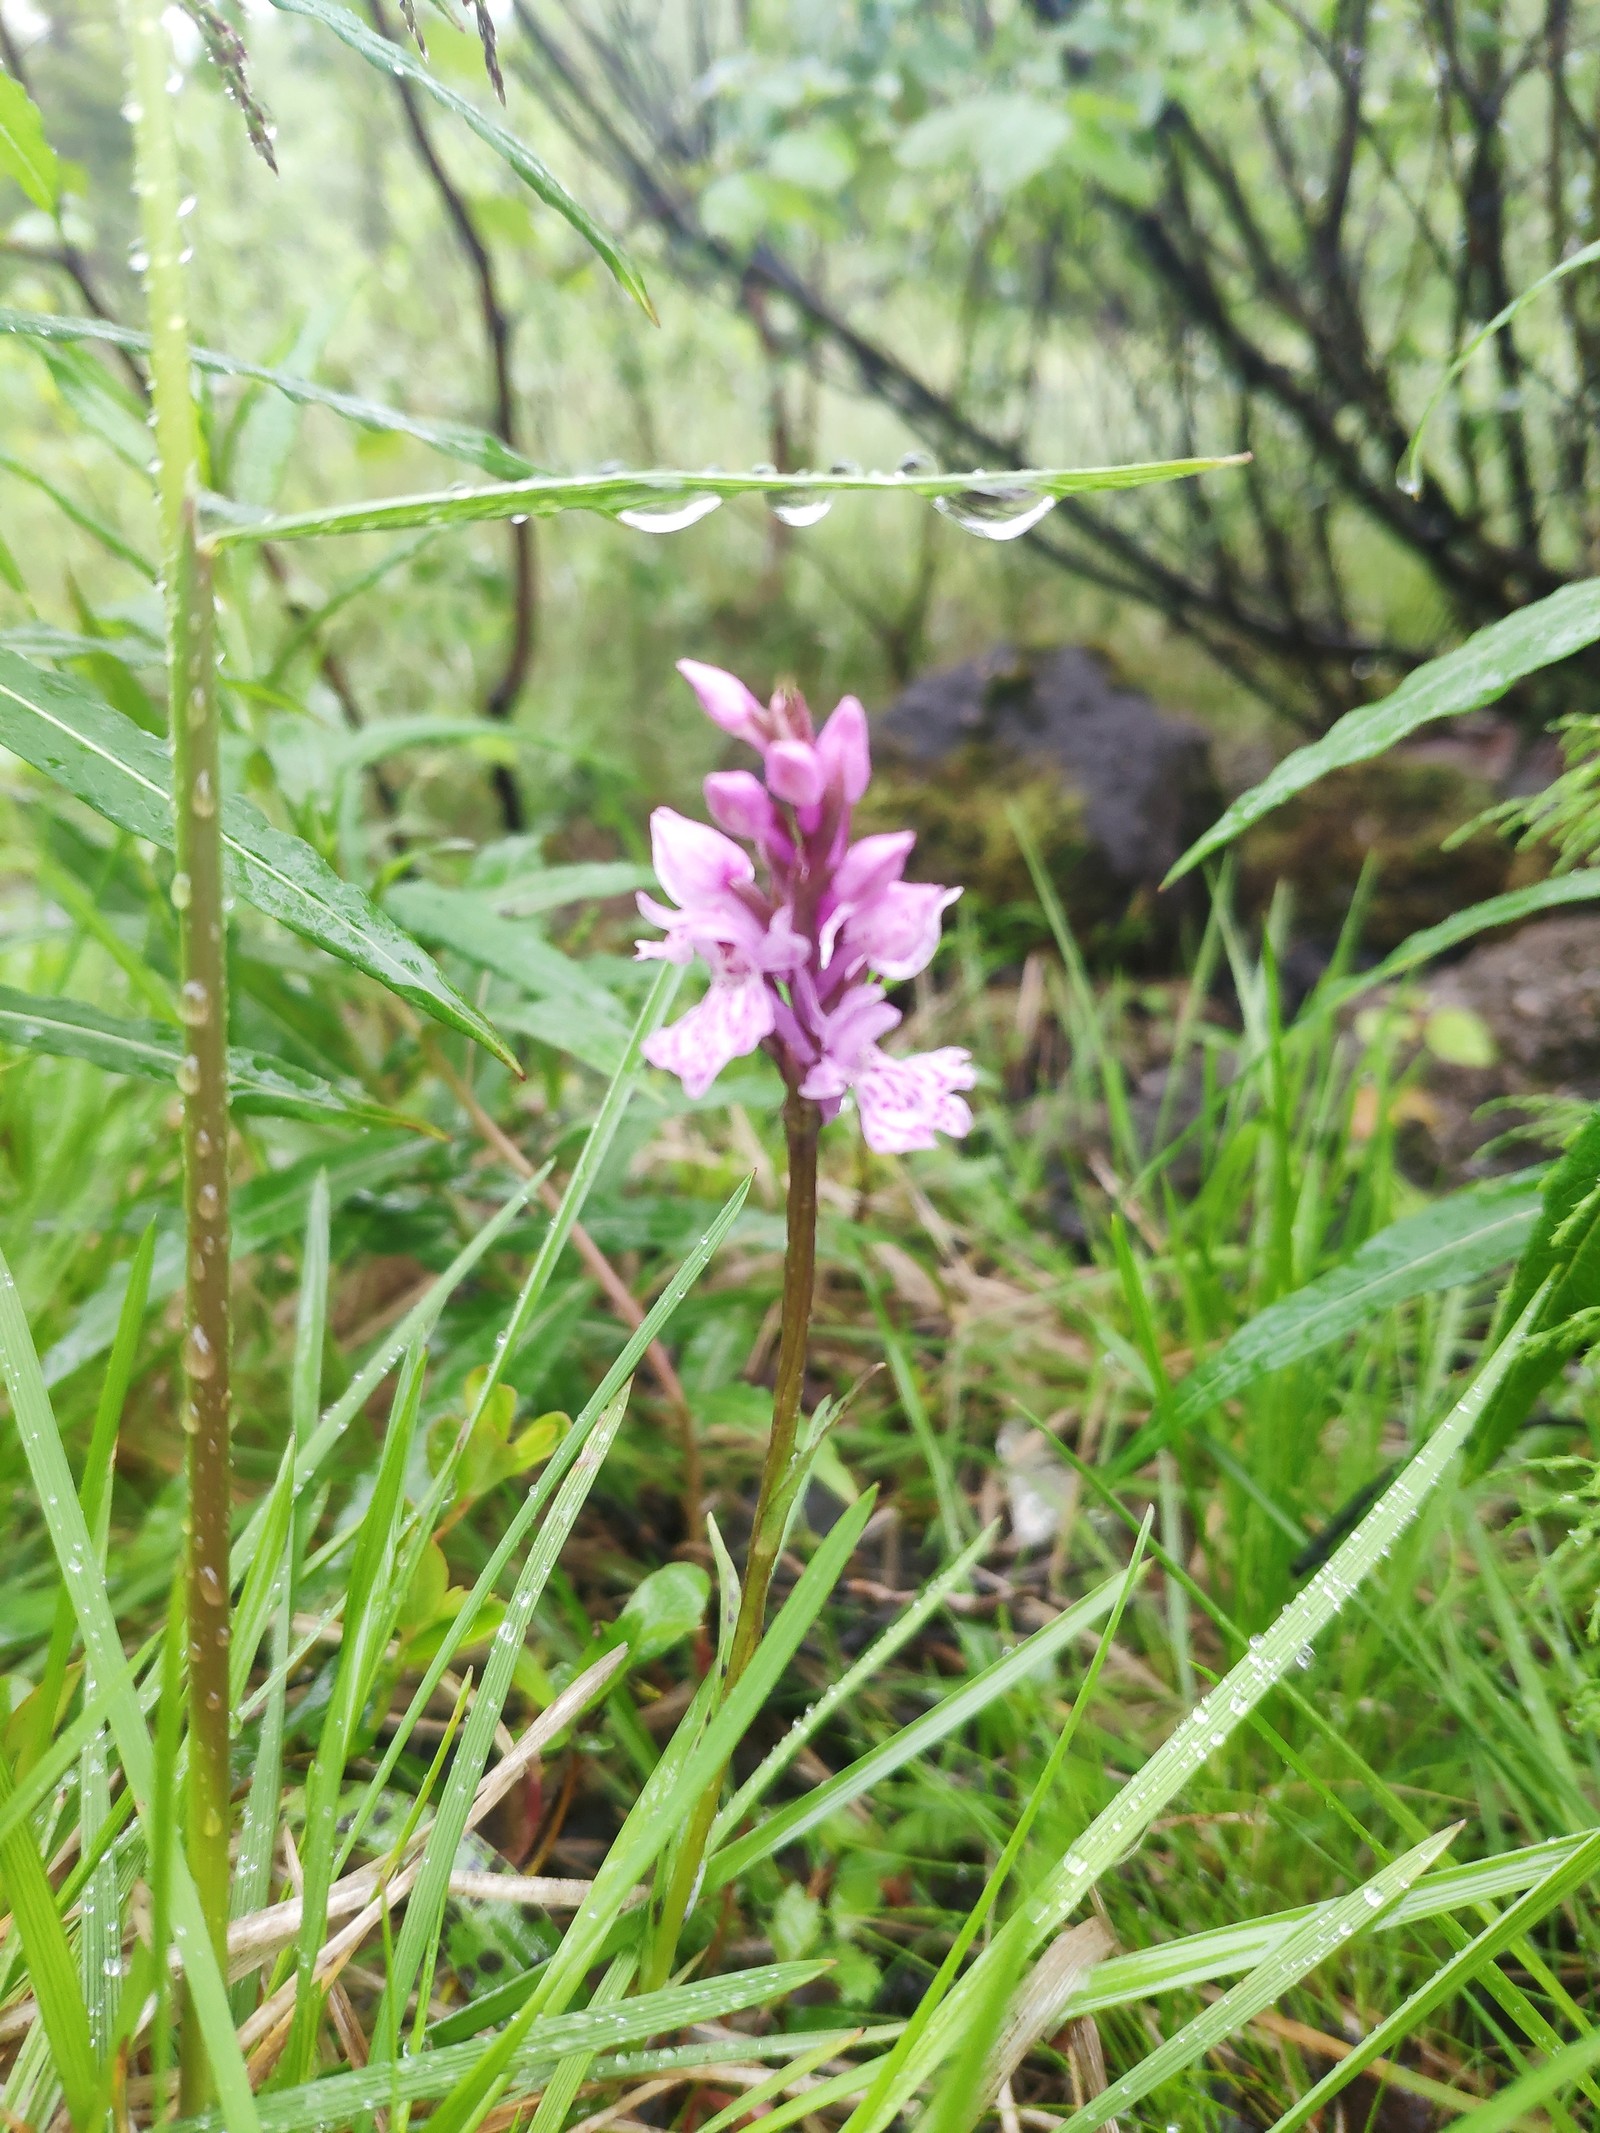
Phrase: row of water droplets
[995,509]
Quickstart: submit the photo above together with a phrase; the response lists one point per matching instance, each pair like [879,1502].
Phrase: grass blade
[51,1969]
[545,495]
[1454,1240]
[1478,672]
[1208,1725]
[125,774]
[391,58]
[974,1695]
[257,1083]
[1328,1928]
[1578,1867]
[69,1536]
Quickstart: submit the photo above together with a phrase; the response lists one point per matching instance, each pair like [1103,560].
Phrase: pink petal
[694,863]
[725,700]
[730,1021]
[872,861]
[740,804]
[847,1032]
[905,1102]
[898,929]
[846,750]
[795,773]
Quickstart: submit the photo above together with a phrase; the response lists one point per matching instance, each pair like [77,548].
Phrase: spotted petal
[905,1103]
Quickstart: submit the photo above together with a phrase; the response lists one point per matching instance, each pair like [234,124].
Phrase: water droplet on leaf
[997,514]
[668,517]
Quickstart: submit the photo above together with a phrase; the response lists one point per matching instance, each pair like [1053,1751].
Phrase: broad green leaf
[25,154]
[456,440]
[1580,1866]
[1457,1239]
[1324,1933]
[35,1424]
[71,1029]
[792,1821]
[336,2101]
[660,490]
[106,761]
[1475,674]
[390,58]
[1120,1825]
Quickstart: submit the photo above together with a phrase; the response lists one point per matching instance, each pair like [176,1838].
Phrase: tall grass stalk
[202,957]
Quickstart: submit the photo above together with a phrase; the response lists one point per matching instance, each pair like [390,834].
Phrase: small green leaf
[667,1607]
[1459,1037]
[25,154]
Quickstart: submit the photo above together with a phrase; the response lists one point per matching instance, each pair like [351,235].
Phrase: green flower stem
[197,892]
[802,1124]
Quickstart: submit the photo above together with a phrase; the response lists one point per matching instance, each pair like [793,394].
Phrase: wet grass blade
[455,440]
[546,495]
[257,1083]
[974,1695]
[125,774]
[1457,1239]
[1129,1814]
[1323,1934]
[52,1972]
[69,1535]
[1580,1866]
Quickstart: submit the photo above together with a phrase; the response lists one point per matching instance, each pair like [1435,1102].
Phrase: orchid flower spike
[799,945]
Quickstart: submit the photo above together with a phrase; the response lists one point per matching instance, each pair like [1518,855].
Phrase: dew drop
[211,1585]
[1373,1898]
[799,507]
[199,1357]
[848,468]
[186,205]
[202,1143]
[918,463]
[139,259]
[995,514]
[188,1074]
[209,1202]
[114,1966]
[194,1003]
[1409,482]
[669,518]
[519,518]
[203,795]
[1303,1656]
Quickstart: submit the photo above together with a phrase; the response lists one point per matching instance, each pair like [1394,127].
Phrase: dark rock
[1112,789]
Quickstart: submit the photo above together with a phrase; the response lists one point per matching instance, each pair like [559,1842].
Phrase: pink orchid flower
[797,955]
